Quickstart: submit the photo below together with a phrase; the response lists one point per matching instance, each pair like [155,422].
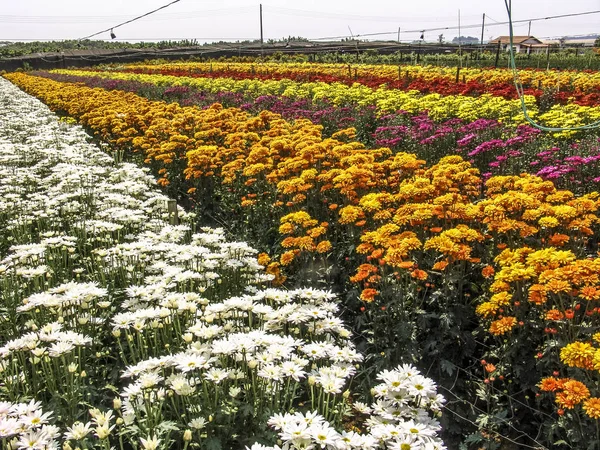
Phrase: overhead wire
[454,27]
[519,84]
[243,10]
[131,20]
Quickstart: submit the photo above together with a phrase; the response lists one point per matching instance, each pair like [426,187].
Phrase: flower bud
[187,435]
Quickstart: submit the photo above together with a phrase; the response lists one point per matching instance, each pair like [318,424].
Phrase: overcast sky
[233,20]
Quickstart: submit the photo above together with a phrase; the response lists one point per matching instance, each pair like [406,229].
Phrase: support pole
[482,28]
[497,55]
[262,51]
[173,213]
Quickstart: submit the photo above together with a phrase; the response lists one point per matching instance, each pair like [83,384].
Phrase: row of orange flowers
[422,237]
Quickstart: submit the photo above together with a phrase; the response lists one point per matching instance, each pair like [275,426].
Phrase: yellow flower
[591,406]
[578,354]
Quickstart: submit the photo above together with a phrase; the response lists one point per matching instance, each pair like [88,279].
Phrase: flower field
[396,227]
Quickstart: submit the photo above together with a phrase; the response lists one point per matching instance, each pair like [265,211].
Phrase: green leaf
[447,367]
[213,444]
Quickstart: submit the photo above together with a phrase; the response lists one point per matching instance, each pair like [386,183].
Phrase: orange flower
[487,271]
[368,295]
[554,314]
[323,247]
[503,325]
[440,265]
[550,384]
[419,274]
[537,294]
[558,240]
[576,391]
[558,286]
[564,401]
[287,257]
[589,293]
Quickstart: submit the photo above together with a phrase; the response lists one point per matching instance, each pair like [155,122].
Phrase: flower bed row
[120,329]
[384,100]
[578,86]
[491,147]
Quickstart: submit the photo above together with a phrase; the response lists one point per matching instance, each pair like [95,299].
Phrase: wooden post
[172,210]
[457,74]
[497,55]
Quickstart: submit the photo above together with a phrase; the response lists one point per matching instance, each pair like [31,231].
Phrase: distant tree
[441,38]
[465,40]
[597,42]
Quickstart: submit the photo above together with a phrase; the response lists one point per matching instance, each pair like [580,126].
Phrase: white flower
[419,385]
[361,407]
[198,423]
[103,431]
[33,440]
[331,383]
[187,362]
[270,372]
[35,418]
[149,380]
[295,431]
[216,375]
[293,370]
[150,443]
[78,431]
[101,418]
[9,426]
[60,348]
[181,385]
[324,435]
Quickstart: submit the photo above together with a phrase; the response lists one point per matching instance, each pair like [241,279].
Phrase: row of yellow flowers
[421,234]
[385,100]
[554,79]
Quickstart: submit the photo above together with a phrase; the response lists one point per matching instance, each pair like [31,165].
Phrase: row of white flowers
[120,327]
